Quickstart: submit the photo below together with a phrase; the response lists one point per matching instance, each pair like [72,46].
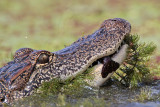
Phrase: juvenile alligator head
[30,68]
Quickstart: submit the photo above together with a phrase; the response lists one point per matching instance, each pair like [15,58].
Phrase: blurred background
[53,24]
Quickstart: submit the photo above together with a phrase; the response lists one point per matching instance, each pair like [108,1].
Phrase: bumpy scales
[30,68]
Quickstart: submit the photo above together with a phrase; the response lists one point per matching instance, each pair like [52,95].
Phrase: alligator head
[30,68]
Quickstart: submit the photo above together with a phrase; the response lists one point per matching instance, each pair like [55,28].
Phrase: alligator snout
[119,24]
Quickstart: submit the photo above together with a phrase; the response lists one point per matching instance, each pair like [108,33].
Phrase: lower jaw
[96,77]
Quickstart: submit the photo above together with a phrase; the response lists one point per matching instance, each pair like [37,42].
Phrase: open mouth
[101,60]
[105,67]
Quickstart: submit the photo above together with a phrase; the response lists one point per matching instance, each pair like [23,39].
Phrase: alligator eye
[43,58]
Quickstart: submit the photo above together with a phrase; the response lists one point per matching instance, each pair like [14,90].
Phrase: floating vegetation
[75,86]
[60,100]
[144,95]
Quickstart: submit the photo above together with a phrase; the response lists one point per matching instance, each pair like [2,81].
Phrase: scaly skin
[30,68]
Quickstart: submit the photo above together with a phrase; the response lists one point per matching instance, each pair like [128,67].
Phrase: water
[114,95]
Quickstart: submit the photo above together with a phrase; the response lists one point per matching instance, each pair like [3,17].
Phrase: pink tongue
[108,66]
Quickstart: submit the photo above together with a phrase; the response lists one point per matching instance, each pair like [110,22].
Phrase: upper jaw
[126,24]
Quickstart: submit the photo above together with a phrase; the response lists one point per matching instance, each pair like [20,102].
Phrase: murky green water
[114,95]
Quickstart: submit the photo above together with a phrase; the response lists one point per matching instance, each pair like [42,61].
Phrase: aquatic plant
[73,86]
[135,68]
[144,95]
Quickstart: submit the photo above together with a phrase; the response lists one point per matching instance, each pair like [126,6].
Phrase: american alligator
[30,68]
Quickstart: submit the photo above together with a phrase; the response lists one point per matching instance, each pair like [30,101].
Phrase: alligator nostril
[2,99]
[114,20]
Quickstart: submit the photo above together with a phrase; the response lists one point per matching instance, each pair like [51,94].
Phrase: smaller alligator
[30,68]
